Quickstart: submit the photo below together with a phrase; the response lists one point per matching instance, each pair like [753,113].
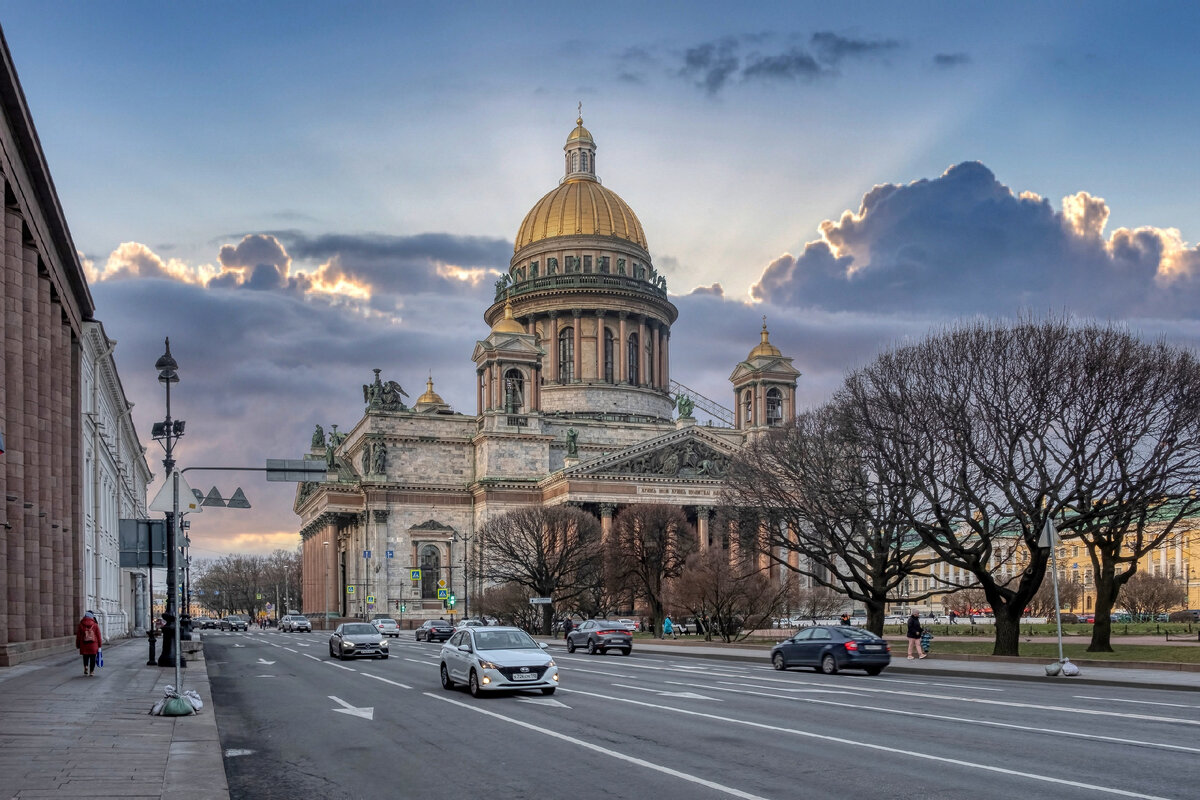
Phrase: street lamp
[466,595]
[167,433]
[325,624]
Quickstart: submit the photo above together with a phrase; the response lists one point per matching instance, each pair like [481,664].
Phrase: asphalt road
[295,723]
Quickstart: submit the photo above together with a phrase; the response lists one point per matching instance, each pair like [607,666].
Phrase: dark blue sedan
[829,648]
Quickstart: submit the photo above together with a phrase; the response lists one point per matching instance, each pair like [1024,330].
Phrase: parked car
[295,623]
[234,623]
[829,648]
[600,636]
[631,624]
[357,640]
[434,629]
[469,623]
[488,658]
[387,626]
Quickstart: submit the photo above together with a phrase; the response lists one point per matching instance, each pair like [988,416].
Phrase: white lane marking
[237,751]
[264,676]
[602,672]
[1142,702]
[290,650]
[868,746]
[661,693]
[729,790]
[542,701]
[309,655]
[906,682]
[366,712]
[340,666]
[385,680]
[944,717]
[420,661]
[264,661]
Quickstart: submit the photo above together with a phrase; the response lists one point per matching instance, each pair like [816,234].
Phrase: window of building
[514,392]
[431,567]
[774,407]
[650,363]
[566,354]
[609,355]
[748,407]
[574,162]
[632,355]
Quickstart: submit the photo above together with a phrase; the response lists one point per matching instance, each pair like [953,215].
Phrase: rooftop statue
[685,404]
[384,396]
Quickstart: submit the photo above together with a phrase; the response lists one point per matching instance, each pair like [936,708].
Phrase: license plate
[872,647]
[524,676]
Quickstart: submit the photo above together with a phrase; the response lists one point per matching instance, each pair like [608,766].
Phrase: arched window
[566,355]
[514,392]
[431,567]
[774,407]
[574,162]
[609,354]
[632,355]
[583,161]
[748,407]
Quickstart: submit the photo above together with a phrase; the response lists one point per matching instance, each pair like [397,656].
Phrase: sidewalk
[948,665]
[65,735]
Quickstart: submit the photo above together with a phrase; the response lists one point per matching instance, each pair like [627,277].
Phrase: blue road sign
[366,553]
[390,553]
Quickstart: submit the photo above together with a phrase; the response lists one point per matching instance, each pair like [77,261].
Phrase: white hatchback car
[386,626]
[495,658]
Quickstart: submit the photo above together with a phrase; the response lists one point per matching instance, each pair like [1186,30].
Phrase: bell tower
[764,388]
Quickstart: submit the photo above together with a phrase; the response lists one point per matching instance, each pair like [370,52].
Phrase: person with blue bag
[88,641]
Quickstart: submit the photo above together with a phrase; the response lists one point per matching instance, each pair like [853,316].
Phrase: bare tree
[992,429]
[1145,596]
[509,603]
[552,552]
[730,600]
[834,503]
[1042,603]
[650,544]
[965,602]
[819,602]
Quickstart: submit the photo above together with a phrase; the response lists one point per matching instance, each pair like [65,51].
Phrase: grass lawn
[1077,651]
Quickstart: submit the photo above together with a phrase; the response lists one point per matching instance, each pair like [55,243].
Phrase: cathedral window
[431,567]
[748,407]
[574,162]
[650,363]
[609,354]
[533,269]
[566,355]
[514,392]
[587,263]
[774,407]
[632,355]
[604,265]
[584,161]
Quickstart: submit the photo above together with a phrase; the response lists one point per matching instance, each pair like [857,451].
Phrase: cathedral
[575,404]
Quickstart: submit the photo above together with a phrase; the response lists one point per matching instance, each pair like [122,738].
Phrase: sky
[297,193]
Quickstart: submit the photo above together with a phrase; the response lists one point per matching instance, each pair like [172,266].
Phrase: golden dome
[764,348]
[507,324]
[430,395]
[580,132]
[580,207]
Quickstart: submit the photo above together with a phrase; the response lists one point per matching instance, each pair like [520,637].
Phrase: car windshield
[504,640]
[439,624]
[609,623]
[359,629]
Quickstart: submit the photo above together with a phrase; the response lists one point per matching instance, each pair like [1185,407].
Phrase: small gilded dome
[580,133]
[580,208]
[430,395]
[764,348]
[507,324]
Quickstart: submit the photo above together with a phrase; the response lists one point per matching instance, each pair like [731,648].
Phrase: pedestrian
[845,619]
[669,628]
[953,617]
[926,641]
[88,641]
[914,636]
[567,626]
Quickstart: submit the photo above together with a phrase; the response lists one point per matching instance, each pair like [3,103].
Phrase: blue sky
[299,192]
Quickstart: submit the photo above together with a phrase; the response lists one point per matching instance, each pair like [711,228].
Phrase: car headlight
[348,645]
[551,664]
[487,665]
[383,643]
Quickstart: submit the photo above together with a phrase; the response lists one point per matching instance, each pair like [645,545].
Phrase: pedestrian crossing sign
[442,594]
[414,574]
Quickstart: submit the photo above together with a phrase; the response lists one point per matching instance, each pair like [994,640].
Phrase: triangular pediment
[774,366]
[693,453]
[432,525]
[508,343]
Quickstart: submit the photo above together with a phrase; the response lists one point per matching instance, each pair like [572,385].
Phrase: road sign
[213,499]
[366,553]
[239,499]
[349,590]
[390,553]
[441,583]
[270,607]
[414,574]
[370,598]
[296,470]
[165,499]
[540,601]
[442,594]
[258,596]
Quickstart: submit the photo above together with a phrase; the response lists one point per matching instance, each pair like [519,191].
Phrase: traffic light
[450,600]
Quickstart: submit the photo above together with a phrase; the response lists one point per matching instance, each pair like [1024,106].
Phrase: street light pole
[325,550]
[169,431]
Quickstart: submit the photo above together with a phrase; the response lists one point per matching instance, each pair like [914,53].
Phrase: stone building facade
[44,302]
[575,404]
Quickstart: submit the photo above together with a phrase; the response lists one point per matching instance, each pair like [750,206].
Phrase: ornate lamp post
[167,433]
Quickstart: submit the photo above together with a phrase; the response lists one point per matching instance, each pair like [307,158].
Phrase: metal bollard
[152,637]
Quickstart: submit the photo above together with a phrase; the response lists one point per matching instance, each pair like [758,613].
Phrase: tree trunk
[1008,631]
[875,617]
[547,620]
[1106,597]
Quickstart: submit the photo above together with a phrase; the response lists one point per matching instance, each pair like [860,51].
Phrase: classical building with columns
[575,404]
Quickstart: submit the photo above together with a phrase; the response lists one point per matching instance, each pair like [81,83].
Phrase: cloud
[834,48]
[710,65]
[964,243]
[715,290]
[950,60]
[789,65]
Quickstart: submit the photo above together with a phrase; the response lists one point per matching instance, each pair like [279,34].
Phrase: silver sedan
[357,640]
[494,659]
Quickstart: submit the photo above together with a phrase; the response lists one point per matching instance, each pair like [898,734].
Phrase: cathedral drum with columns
[574,405]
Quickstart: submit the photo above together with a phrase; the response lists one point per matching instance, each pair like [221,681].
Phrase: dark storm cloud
[949,60]
[832,47]
[794,63]
[964,243]
[710,65]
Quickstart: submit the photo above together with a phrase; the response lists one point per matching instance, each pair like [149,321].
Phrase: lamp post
[168,432]
[325,549]
[466,595]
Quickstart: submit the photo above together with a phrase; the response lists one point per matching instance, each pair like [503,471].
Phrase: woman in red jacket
[87,640]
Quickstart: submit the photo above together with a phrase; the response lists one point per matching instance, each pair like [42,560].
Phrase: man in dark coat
[87,641]
[914,637]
